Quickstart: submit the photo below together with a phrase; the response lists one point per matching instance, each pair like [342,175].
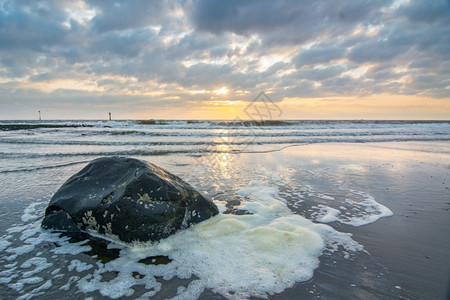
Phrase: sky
[200,59]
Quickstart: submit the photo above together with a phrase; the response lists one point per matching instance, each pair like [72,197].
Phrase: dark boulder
[126,198]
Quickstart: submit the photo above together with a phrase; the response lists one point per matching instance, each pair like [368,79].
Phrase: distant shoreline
[268,122]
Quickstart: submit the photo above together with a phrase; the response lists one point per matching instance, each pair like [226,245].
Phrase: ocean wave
[193,149]
[51,139]
[12,127]
[209,124]
[37,168]
[233,140]
[109,136]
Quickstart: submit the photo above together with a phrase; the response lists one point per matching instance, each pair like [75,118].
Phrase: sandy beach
[389,200]
[407,253]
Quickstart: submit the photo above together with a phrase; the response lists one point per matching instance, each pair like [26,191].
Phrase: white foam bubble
[10,265]
[31,280]
[326,214]
[30,212]
[361,209]
[336,240]
[373,209]
[15,229]
[121,286]
[31,235]
[40,264]
[79,266]
[71,280]
[5,280]
[237,256]
[247,253]
[4,243]
[262,199]
[71,248]
[325,197]
[37,291]
[21,249]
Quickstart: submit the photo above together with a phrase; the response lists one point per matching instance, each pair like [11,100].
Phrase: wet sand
[408,253]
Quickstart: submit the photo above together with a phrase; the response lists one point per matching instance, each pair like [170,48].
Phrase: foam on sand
[234,255]
[358,209]
[326,214]
[238,256]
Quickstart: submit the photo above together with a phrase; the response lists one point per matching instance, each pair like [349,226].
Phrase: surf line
[46,167]
[272,150]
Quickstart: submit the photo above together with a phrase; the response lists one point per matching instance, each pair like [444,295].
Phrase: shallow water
[297,222]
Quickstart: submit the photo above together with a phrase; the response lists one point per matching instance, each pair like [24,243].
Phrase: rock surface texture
[126,198]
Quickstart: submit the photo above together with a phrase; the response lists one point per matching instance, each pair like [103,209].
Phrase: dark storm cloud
[31,26]
[123,15]
[243,16]
[265,16]
[426,12]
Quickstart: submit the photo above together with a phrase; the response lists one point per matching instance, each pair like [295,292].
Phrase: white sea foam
[79,266]
[362,209]
[40,264]
[37,291]
[30,212]
[326,214]
[326,197]
[71,248]
[4,243]
[373,209]
[249,255]
[21,249]
[237,256]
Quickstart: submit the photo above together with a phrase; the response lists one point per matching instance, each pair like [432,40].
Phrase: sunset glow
[221,91]
[196,59]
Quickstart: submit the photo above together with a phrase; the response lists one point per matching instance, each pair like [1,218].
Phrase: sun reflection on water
[222,161]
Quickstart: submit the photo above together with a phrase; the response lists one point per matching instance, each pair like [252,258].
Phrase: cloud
[126,44]
[125,15]
[320,54]
[169,50]
[285,22]
[243,16]
[426,12]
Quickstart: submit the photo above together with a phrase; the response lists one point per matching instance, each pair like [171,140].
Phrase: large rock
[126,198]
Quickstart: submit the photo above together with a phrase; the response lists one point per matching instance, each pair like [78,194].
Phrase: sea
[279,220]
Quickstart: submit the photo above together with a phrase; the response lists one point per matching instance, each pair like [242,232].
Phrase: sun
[221,91]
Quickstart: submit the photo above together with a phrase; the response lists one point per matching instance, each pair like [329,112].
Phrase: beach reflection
[218,167]
[221,161]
